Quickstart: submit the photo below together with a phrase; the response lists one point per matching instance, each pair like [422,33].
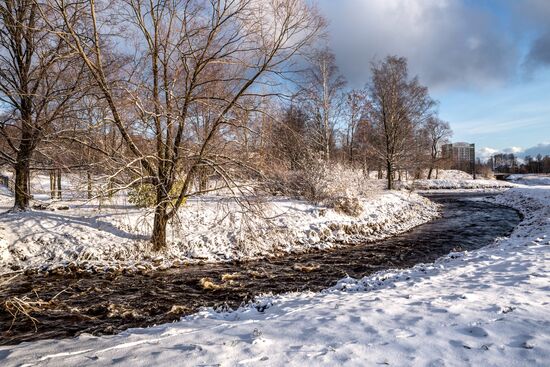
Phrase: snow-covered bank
[455,184]
[530,179]
[483,308]
[211,228]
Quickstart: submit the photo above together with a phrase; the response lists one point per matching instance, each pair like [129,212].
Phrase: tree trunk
[159,227]
[89,178]
[430,172]
[59,184]
[22,176]
[29,184]
[203,179]
[389,173]
[52,184]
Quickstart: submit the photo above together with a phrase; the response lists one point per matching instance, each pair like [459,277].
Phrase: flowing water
[106,304]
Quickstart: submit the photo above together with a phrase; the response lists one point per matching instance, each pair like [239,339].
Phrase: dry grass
[25,306]
[8,280]
[208,284]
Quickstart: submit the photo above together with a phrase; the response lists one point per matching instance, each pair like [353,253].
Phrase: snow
[73,185]
[530,179]
[114,233]
[455,184]
[483,308]
[452,174]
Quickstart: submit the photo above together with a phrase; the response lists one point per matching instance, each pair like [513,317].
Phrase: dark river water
[106,304]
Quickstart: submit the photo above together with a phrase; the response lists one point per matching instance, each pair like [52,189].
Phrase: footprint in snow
[437,363]
[522,341]
[476,331]
[507,309]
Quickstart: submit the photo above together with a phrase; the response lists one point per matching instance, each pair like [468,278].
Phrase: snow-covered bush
[346,205]
[324,183]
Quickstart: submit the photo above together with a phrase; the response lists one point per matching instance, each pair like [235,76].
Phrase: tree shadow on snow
[48,222]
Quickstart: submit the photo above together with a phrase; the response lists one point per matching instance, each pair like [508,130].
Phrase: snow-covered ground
[530,179]
[211,228]
[455,184]
[451,174]
[488,307]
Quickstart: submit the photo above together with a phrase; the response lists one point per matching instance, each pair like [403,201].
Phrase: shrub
[145,196]
[142,195]
[321,183]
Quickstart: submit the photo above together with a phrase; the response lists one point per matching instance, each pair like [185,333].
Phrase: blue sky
[486,61]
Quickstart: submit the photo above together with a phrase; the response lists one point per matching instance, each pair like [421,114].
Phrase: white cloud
[486,153]
[514,150]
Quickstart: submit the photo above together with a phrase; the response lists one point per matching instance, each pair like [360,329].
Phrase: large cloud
[533,15]
[539,54]
[529,11]
[539,12]
[447,42]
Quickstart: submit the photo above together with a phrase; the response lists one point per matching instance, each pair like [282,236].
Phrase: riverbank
[107,303]
[113,235]
[481,308]
[461,184]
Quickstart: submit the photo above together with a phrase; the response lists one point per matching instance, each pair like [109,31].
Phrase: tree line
[509,163]
[176,95]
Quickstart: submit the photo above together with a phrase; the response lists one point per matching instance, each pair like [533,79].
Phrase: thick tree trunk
[158,237]
[22,176]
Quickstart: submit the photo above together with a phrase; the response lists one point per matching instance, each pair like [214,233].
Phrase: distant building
[461,155]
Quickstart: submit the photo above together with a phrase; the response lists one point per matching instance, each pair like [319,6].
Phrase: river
[107,304]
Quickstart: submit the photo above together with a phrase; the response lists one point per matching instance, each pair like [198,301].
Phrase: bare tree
[288,138]
[399,105]
[39,79]
[356,110]
[190,56]
[323,98]
[438,132]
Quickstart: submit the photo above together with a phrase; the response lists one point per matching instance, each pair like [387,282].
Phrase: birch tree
[322,96]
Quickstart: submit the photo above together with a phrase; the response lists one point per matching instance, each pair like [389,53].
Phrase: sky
[487,62]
